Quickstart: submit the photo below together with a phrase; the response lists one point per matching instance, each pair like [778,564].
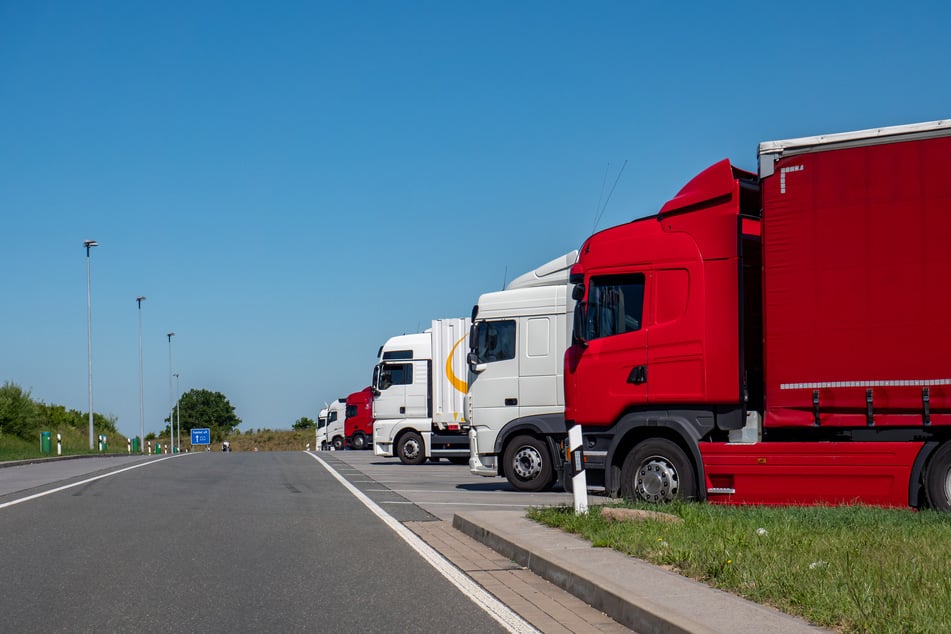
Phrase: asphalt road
[435,490]
[220,542]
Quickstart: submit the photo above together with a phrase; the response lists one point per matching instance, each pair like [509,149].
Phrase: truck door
[393,380]
[610,372]
[495,392]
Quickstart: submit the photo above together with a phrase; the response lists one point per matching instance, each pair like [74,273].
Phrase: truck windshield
[494,340]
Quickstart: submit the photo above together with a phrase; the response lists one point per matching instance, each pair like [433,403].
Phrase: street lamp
[139,301]
[171,421]
[89,244]
[178,411]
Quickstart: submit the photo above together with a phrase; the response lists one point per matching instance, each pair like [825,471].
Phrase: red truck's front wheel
[658,470]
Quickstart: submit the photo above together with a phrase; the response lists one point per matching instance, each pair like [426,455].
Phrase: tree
[18,412]
[304,423]
[204,408]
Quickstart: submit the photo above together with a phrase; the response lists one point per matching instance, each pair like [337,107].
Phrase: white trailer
[420,384]
[516,398]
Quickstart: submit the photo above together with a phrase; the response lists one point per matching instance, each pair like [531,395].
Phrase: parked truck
[516,402]
[419,386]
[358,423]
[330,425]
[776,338]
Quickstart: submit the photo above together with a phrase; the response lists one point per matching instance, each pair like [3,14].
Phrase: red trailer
[776,338]
[358,424]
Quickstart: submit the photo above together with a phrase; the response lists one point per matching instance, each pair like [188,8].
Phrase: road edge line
[476,593]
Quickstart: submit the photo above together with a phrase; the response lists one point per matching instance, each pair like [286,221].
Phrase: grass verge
[852,568]
[75,443]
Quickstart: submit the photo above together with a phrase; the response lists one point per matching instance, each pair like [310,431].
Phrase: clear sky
[291,183]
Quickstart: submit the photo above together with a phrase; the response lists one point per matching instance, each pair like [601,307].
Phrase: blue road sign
[201,436]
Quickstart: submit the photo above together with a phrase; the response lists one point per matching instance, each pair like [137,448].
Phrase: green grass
[75,442]
[854,568]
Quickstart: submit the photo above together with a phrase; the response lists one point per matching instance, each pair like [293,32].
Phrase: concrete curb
[20,463]
[634,593]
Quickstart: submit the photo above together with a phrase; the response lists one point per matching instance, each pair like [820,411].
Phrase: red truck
[776,338]
[358,423]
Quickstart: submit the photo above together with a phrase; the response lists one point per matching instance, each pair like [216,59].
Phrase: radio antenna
[505,277]
[601,213]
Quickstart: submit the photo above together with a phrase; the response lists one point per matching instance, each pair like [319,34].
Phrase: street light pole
[139,301]
[89,244]
[178,411]
[171,410]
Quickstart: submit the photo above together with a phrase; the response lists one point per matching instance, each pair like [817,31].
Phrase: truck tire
[658,470]
[410,448]
[527,464]
[938,479]
[338,443]
[359,441]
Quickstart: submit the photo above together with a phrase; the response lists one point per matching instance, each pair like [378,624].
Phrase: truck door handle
[638,375]
[511,401]
[402,409]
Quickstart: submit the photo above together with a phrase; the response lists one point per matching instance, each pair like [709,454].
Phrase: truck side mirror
[577,293]
[473,360]
[578,323]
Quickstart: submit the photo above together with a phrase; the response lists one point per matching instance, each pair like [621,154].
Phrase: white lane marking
[86,481]
[495,608]
[517,506]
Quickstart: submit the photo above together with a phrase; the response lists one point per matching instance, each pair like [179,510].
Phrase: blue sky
[291,183]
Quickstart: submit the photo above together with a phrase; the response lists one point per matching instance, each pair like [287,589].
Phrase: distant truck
[330,432]
[419,385]
[516,402]
[776,338]
[358,422]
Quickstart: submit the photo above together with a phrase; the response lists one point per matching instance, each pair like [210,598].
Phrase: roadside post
[579,481]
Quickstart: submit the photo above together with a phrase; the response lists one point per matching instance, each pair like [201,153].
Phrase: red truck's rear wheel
[938,478]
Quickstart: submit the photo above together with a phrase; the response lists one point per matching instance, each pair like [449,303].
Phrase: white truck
[330,426]
[516,399]
[419,386]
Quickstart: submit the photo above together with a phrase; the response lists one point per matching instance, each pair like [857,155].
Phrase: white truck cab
[516,398]
[330,425]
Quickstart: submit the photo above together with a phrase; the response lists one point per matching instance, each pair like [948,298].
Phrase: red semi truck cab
[779,337]
[358,424]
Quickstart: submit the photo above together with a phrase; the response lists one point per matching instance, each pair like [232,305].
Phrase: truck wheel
[410,448]
[658,470]
[938,479]
[527,464]
[359,441]
[338,443]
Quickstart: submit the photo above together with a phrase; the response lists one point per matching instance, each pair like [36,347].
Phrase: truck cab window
[395,374]
[615,305]
[494,340]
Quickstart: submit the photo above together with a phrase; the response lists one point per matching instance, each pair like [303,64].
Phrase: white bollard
[308,447]
[128,441]
[579,481]
[59,444]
